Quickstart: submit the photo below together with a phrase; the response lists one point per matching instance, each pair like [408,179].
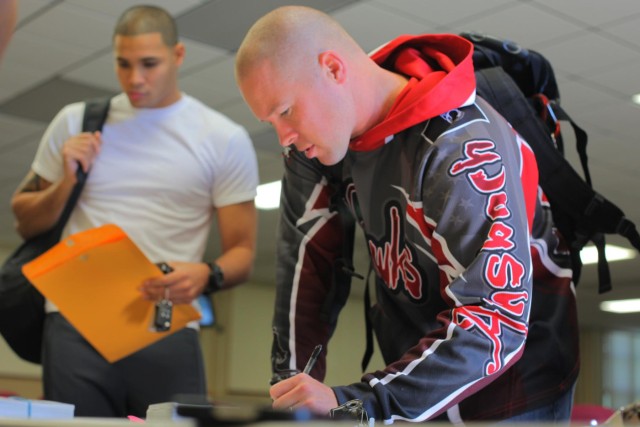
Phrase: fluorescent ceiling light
[589,254]
[268,196]
[636,98]
[621,306]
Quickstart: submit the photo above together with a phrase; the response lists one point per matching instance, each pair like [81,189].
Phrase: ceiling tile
[622,121]
[224,23]
[17,128]
[516,23]
[28,8]
[590,12]
[198,54]
[434,14]
[116,8]
[43,102]
[624,79]
[576,55]
[626,32]
[98,72]
[73,27]
[36,52]
[15,79]
[578,96]
[380,26]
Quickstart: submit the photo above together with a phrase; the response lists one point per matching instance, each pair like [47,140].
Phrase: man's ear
[179,51]
[333,65]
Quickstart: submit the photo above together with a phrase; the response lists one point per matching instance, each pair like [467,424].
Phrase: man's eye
[285,112]
[149,64]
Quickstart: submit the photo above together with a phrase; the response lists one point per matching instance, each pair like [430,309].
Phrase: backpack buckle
[547,114]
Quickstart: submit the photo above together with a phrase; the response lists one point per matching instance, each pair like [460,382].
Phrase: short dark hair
[147,19]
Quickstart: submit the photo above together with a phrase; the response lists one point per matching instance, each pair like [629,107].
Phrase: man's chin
[137,101]
[330,158]
[328,161]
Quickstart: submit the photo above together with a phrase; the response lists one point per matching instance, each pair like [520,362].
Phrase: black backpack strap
[368,351]
[552,113]
[581,138]
[95,114]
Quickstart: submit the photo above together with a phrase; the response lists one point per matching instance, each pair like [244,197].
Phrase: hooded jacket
[468,268]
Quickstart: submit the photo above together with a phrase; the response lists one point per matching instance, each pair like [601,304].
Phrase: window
[620,368]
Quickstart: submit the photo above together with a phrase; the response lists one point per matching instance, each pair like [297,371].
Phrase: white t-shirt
[159,175]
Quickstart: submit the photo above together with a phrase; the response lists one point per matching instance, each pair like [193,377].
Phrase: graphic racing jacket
[475,313]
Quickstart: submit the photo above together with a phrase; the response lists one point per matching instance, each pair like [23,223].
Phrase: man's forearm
[38,205]
[237,265]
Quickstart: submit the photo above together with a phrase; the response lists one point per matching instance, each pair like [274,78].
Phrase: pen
[312,359]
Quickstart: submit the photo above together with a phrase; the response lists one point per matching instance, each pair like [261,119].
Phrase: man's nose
[286,136]
[136,76]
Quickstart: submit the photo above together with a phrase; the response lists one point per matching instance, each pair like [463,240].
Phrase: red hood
[440,71]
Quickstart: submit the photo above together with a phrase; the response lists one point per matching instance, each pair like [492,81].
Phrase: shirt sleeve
[311,285]
[237,180]
[48,160]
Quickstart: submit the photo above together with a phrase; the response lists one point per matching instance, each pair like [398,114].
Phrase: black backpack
[21,305]
[521,85]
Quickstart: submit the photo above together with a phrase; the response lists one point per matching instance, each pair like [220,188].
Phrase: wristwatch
[216,279]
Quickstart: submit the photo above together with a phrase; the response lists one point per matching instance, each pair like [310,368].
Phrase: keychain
[164,307]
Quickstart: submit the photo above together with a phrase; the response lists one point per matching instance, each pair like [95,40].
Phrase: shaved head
[290,36]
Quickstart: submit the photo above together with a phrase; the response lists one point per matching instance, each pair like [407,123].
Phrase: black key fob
[162,318]
[164,307]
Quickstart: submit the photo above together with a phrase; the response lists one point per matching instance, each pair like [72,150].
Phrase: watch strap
[216,279]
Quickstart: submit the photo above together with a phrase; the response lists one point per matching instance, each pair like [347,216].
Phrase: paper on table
[93,278]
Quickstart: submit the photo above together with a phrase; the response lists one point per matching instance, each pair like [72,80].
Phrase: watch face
[216,278]
[219,277]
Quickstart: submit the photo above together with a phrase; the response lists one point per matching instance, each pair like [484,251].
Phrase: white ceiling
[61,53]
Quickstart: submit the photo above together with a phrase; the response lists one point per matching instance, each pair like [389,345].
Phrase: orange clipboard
[93,278]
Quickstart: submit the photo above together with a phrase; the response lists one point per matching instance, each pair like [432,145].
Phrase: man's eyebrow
[274,109]
[146,58]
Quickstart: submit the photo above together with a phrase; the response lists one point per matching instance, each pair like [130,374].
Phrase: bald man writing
[473,320]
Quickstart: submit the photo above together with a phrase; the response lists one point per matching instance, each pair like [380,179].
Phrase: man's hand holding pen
[303,391]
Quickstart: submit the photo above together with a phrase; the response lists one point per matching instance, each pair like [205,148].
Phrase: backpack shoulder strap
[95,114]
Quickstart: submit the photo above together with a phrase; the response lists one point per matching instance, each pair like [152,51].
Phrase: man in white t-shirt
[162,167]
